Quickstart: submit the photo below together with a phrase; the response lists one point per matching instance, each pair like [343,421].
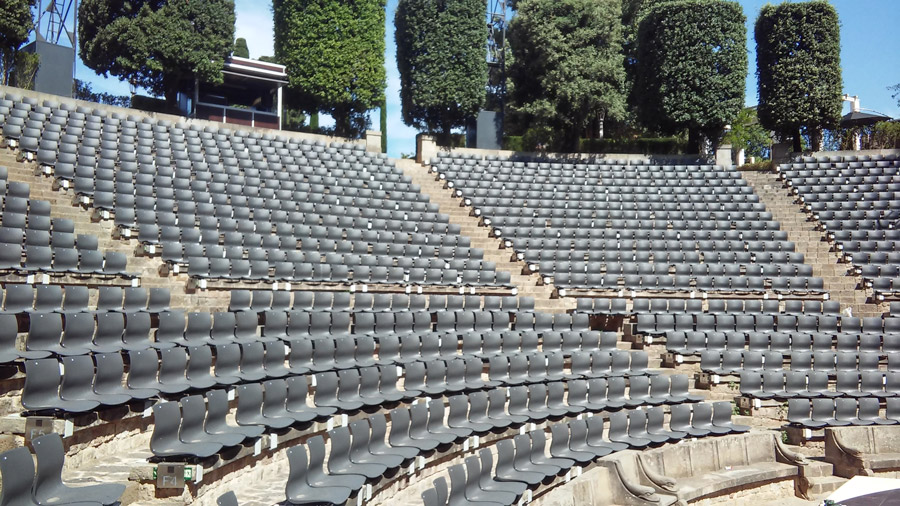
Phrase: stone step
[62,206]
[481,238]
[809,241]
[818,468]
[824,485]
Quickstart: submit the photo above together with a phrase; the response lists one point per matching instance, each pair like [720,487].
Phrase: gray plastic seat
[307,483]
[216,422]
[165,442]
[41,390]
[48,485]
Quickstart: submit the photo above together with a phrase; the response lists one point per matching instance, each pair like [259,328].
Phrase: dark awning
[860,118]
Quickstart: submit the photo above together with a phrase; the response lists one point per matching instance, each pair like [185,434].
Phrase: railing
[236,116]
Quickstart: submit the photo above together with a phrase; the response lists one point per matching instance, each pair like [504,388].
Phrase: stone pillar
[279,106]
[373,141]
[723,155]
[741,158]
[781,153]
[426,148]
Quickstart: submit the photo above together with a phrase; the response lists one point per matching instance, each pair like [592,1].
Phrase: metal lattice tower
[53,21]
[496,54]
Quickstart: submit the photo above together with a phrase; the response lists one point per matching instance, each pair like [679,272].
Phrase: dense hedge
[646,146]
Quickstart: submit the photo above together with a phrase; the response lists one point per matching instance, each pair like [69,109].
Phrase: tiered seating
[612,227]
[245,207]
[855,200]
[32,244]
[522,462]
[23,484]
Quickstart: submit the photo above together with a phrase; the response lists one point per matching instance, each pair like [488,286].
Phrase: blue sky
[870,57]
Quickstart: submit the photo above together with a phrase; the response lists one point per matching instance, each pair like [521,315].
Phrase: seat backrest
[17,475]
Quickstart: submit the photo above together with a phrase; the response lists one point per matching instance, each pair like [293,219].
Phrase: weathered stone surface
[862,450]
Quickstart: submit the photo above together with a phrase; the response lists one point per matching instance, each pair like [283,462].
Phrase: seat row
[732,362]
[581,250]
[789,384]
[662,323]
[23,298]
[80,333]
[664,268]
[255,271]
[263,300]
[687,283]
[693,343]
[62,261]
[199,429]
[662,305]
[523,462]
[82,383]
[830,412]
[25,483]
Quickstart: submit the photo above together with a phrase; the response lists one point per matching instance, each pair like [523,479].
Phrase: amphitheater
[195,313]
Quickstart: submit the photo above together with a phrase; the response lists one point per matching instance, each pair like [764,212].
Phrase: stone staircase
[810,242]
[527,284]
[63,205]
[822,481]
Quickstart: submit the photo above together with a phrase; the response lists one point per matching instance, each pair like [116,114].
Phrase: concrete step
[62,206]
[481,238]
[818,468]
[824,485]
[809,241]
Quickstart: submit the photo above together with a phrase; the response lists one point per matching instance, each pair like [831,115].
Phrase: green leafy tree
[240,48]
[567,67]
[334,53]
[691,67]
[441,59]
[798,68]
[16,24]
[161,46]
[84,91]
[746,133]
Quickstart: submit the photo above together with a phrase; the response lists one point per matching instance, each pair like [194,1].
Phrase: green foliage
[881,135]
[641,145]
[691,67]
[268,59]
[16,24]
[746,133]
[645,145]
[798,67]
[513,143]
[886,135]
[84,91]
[334,53]
[240,48]
[151,104]
[764,165]
[567,67]
[441,60]
[896,93]
[168,43]
[293,120]
[25,69]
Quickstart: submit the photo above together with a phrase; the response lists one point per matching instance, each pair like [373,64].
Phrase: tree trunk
[694,140]
[815,139]
[445,135]
[170,91]
[798,141]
